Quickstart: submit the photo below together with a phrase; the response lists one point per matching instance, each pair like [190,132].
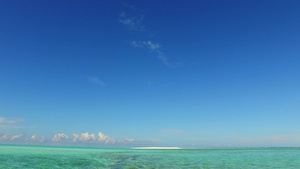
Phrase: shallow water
[66,157]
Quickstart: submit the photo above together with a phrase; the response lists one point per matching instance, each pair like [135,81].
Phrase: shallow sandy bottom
[89,158]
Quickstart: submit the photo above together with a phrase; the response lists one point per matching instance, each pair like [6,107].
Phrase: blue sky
[150,73]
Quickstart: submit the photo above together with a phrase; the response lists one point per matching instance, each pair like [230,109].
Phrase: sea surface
[115,158]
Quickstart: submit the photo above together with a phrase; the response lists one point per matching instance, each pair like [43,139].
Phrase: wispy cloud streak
[154,47]
[10,120]
[96,81]
[132,23]
[16,137]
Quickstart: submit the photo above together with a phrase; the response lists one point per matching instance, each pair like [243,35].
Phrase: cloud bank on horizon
[59,138]
[104,140]
[64,139]
[87,139]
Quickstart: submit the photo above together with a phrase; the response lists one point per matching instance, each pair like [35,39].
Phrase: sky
[114,73]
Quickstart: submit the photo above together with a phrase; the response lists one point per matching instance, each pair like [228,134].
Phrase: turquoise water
[64,157]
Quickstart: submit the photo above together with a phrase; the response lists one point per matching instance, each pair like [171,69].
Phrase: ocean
[35,157]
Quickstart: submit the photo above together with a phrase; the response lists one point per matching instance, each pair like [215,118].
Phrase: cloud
[84,137]
[104,138]
[154,47]
[5,137]
[149,44]
[10,120]
[96,81]
[101,139]
[16,137]
[36,138]
[132,23]
[126,140]
[91,138]
[163,58]
[42,139]
[11,137]
[60,137]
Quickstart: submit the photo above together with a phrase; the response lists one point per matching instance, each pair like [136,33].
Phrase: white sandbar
[168,148]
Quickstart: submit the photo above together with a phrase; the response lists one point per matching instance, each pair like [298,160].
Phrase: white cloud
[163,58]
[132,23]
[152,46]
[42,139]
[91,138]
[11,137]
[155,47]
[36,138]
[10,120]
[16,137]
[60,137]
[84,137]
[126,140]
[104,138]
[75,137]
[5,137]
[96,81]
[149,44]
[101,139]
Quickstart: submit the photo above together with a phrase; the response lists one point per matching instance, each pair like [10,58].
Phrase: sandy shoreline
[164,148]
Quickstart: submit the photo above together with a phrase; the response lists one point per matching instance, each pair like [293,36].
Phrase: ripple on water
[50,157]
